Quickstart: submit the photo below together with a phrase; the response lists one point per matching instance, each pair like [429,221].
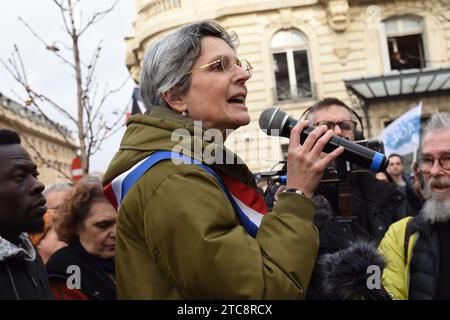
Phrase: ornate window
[405,42]
[290,63]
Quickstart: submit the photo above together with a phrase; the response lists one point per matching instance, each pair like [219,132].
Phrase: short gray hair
[56,187]
[168,61]
[438,122]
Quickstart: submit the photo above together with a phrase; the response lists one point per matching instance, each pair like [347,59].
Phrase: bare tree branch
[92,66]
[107,135]
[67,47]
[112,129]
[97,17]
[107,94]
[92,128]
[32,97]
[21,78]
[63,15]
[46,161]
[54,105]
[57,127]
[49,47]
[36,151]
[22,67]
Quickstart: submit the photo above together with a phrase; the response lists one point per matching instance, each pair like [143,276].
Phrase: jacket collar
[23,250]
[418,223]
[154,130]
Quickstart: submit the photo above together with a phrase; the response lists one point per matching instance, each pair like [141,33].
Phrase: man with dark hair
[22,206]
[413,202]
[373,204]
[336,115]
[9,137]
[395,169]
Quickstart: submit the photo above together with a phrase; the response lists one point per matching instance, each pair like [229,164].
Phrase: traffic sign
[77,170]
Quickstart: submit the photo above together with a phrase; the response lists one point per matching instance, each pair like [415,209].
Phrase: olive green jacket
[178,236]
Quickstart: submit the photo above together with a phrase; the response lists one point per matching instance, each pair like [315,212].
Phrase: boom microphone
[275,122]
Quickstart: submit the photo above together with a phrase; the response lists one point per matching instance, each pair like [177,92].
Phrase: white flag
[403,135]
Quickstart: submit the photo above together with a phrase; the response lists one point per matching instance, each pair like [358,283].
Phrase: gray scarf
[24,249]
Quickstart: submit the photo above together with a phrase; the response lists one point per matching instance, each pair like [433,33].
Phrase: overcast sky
[50,76]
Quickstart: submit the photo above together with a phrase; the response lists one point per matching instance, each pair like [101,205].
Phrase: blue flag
[403,135]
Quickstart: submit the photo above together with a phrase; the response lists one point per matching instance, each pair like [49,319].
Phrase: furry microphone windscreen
[344,275]
[324,213]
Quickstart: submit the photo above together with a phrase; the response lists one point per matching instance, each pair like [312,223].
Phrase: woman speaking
[191,224]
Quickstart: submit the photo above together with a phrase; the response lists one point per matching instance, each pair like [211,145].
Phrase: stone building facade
[51,148]
[380,57]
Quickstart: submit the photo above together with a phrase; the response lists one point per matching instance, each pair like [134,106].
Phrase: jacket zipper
[410,260]
[12,281]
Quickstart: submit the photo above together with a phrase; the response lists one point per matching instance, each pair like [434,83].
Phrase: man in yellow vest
[416,249]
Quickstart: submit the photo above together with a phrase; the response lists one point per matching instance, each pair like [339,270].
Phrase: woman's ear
[175,100]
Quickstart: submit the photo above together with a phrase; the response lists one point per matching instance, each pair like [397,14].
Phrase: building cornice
[219,13]
[20,126]
[30,122]
[149,28]
[32,116]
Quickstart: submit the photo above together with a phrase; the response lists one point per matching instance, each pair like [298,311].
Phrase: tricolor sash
[247,202]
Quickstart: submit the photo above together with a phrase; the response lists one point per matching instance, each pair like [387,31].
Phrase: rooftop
[31,115]
[401,84]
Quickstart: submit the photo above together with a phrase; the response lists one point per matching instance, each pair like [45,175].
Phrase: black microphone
[275,176]
[275,122]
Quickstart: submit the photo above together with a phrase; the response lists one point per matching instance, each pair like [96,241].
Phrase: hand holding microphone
[305,165]
[276,122]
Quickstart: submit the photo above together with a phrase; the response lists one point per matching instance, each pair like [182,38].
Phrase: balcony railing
[159,6]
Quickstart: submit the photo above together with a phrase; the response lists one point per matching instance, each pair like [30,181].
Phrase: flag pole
[420,126]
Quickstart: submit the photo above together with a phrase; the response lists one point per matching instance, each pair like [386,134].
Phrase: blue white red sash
[247,202]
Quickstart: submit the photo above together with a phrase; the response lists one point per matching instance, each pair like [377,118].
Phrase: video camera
[333,172]
[335,184]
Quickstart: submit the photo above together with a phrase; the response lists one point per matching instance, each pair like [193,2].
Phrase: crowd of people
[172,221]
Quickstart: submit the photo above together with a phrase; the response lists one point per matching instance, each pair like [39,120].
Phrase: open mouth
[237,99]
[440,188]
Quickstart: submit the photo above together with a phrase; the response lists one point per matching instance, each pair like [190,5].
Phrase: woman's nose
[241,74]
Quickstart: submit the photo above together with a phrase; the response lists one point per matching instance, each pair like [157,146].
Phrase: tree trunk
[80,103]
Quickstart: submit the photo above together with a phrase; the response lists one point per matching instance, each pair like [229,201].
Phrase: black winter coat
[424,267]
[375,206]
[24,280]
[94,280]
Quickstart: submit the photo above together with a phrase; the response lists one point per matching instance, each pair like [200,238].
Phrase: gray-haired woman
[183,226]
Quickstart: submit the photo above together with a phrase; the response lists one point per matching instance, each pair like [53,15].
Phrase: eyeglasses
[226,63]
[346,125]
[425,164]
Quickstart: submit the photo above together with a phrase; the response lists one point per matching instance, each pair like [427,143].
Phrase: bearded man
[417,249]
